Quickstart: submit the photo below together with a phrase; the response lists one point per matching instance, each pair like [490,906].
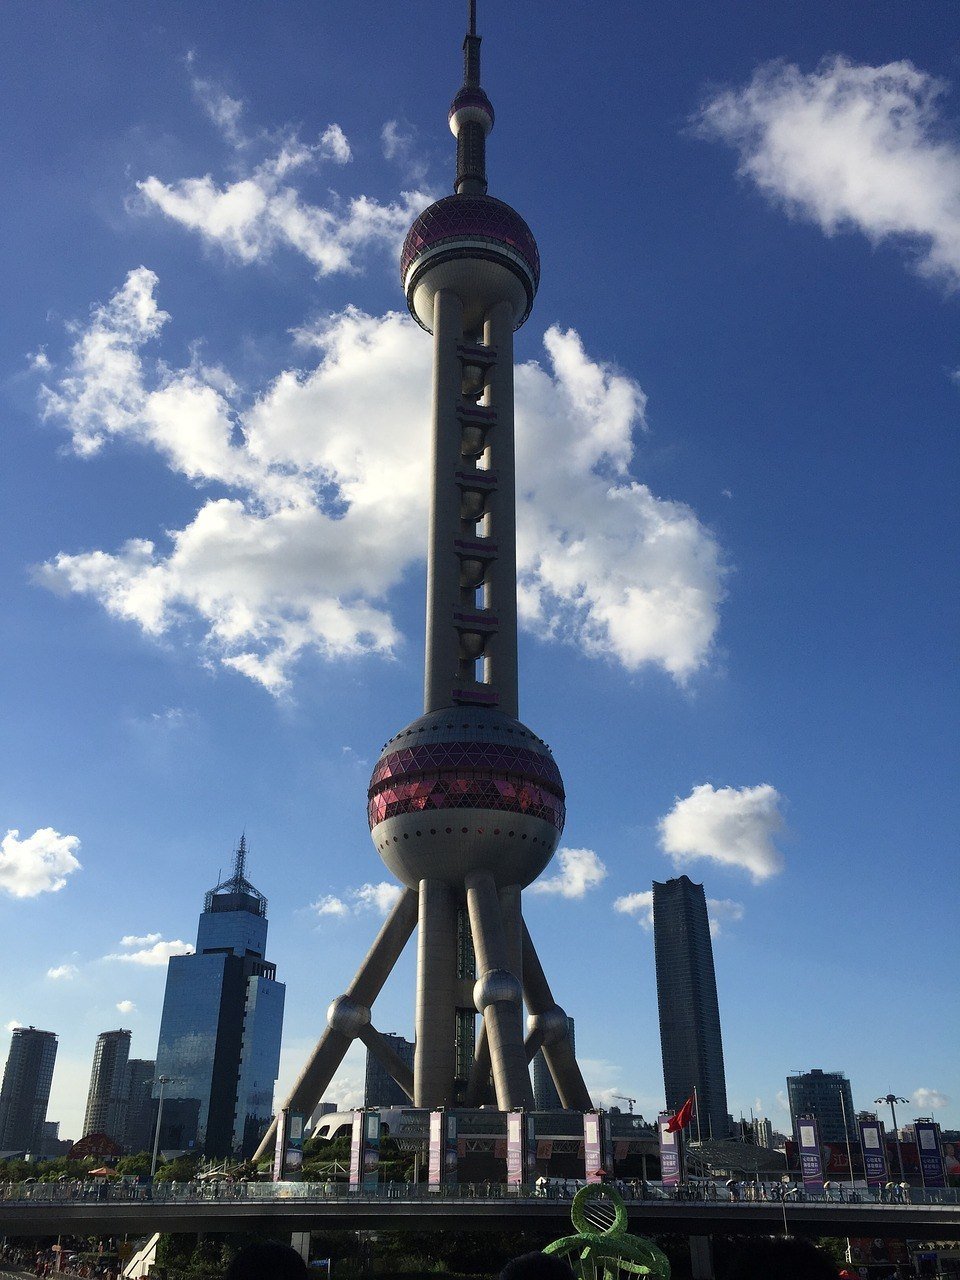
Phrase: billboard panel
[927,1134]
[874,1152]
[669,1151]
[811,1164]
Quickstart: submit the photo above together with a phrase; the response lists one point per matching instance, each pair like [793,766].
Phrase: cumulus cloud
[929,1100]
[730,825]
[380,897]
[580,870]
[126,1006]
[63,971]
[13,1024]
[399,145]
[37,864]
[325,518]
[149,949]
[720,911]
[637,904]
[851,146]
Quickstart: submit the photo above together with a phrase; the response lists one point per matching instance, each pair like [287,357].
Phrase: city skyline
[735,411]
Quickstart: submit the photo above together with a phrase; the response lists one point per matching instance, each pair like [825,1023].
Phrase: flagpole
[696,1102]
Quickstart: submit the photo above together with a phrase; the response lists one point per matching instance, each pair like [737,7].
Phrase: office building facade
[108,1094]
[827,1096]
[25,1092]
[690,1039]
[220,1029]
[379,1087]
[138,1134]
[545,1095]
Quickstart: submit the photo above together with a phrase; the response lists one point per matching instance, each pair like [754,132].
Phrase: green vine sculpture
[603,1248]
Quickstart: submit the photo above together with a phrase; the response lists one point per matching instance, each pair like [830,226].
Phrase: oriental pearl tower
[466,804]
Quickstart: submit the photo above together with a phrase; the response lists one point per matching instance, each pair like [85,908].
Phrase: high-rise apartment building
[545,1095]
[826,1095]
[220,1029]
[25,1092]
[690,1039]
[379,1087]
[109,1086]
[138,1134]
[763,1132]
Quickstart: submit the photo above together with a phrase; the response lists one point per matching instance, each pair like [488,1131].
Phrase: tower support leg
[498,995]
[435,1054]
[557,1049]
[366,986]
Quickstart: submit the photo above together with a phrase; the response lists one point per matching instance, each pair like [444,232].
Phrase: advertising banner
[451,1151]
[371,1150]
[356,1150]
[874,1153]
[927,1134]
[435,1151]
[293,1157]
[592,1147]
[515,1160]
[530,1150]
[280,1145]
[811,1165]
[669,1151]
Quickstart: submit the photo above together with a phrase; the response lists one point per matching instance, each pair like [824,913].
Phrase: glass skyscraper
[108,1096]
[221,1026]
[687,999]
[545,1095]
[379,1087]
[25,1092]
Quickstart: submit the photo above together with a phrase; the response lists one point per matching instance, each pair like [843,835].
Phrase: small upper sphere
[476,246]
[471,106]
[466,789]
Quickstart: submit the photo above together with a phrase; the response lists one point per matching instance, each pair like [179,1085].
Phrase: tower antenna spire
[240,859]
[473,17]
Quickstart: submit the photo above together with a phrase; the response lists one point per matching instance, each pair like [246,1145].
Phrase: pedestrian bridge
[47,1209]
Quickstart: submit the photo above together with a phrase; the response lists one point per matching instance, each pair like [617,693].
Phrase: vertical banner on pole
[874,1154]
[435,1154]
[356,1150]
[930,1151]
[669,1150]
[592,1147]
[811,1161]
[451,1153]
[371,1151]
[280,1146]
[530,1149]
[515,1159]
[293,1150]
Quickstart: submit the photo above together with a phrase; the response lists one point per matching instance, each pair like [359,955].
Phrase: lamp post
[846,1134]
[161,1081]
[891,1100]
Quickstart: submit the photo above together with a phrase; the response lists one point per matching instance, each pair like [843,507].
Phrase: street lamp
[891,1100]
[161,1081]
[846,1134]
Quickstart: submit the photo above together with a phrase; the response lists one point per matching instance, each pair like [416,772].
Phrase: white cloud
[380,897]
[13,1024]
[331,906]
[580,870]
[732,826]
[37,864]
[140,939]
[399,145]
[150,950]
[783,1102]
[126,1006]
[929,1100]
[851,146]
[63,971]
[327,518]
[639,905]
[720,911]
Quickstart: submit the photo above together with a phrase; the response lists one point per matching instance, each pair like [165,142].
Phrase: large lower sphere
[466,789]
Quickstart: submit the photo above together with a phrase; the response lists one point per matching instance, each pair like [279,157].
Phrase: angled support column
[348,1014]
[388,1058]
[548,1022]
[478,1086]
[497,995]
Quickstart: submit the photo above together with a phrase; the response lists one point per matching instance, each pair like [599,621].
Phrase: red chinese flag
[682,1118]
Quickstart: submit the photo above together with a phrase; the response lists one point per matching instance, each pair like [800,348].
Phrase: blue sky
[738,557]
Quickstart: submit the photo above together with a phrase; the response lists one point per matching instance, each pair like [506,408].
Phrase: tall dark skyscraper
[25,1092]
[109,1087]
[819,1093]
[140,1105]
[466,804]
[221,1027]
[379,1087]
[687,998]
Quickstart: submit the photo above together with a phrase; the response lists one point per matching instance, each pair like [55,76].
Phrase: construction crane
[622,1097]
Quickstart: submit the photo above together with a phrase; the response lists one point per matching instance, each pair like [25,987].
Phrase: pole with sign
[930,1151]
[874,1151]
[593,1153]
[670,1141]
[811,1161]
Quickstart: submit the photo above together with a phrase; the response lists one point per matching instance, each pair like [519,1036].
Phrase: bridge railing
[744,1196]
